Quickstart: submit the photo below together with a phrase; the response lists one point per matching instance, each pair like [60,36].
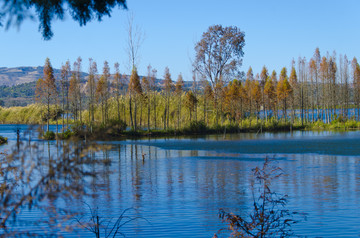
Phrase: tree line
[322,88]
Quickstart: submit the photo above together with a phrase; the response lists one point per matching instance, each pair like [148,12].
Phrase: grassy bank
[117,130]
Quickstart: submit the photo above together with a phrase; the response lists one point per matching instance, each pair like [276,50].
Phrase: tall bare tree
[135,39]
[219,53]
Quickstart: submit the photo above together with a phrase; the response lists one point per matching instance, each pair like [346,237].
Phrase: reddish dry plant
[269,217]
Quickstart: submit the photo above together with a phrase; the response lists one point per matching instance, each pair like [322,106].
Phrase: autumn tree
[270,95]
[356,81]
[317,60]
[77,74]
[190,102]
[118,84]
[219,55]
[178,92]
[64,82]
[263,78]
[103,93]
[233,97]
[256,96]
[207,98]
[332,86]
[302,89]
[313,85]
[146,85]
[247,87]
[323,75]
[91,89]
[101,96]
[194,88]
[134,90]
[167,91]
[283,90]
[46,89]
[293,80]
[344,84]
[273,78]
[74,89]
[153,88]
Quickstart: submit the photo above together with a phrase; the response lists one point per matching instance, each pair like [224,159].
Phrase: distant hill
[20,75]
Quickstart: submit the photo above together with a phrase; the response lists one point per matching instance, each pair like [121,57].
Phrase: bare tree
[219,53]
[135,39]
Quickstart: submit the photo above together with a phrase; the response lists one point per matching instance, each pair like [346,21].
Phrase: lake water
[183,182]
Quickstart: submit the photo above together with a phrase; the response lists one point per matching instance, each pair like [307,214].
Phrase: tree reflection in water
[37,182]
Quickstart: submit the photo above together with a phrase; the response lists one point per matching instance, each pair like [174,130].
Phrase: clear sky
[275,33]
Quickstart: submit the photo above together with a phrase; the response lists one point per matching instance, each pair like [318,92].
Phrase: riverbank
[113,132]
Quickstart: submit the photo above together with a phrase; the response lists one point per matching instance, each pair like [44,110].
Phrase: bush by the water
[115,126]
[65,135]
[49,135]
[3,140]
[196,127]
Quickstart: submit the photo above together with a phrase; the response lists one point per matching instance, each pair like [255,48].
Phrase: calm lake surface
[183,182]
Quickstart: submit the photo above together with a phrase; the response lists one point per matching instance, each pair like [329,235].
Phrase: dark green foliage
[117,124]
[81,11]
[65,135]
[49,135]
[18,95]
[3,140]
[55,114]
[114,127]
[197,127]
[21,90]
[77,129]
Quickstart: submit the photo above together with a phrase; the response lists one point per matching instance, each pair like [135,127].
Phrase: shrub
[49,135]
[3,140]
[77,129]
[269,217]
[352,124]
[117,124]
[113,127]
[65,135]
[197,127]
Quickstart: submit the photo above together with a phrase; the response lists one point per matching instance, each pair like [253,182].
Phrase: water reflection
[180,191]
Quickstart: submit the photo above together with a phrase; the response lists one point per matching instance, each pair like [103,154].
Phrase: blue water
[183,182]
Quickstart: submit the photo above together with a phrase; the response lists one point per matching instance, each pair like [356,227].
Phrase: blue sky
[275,33]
